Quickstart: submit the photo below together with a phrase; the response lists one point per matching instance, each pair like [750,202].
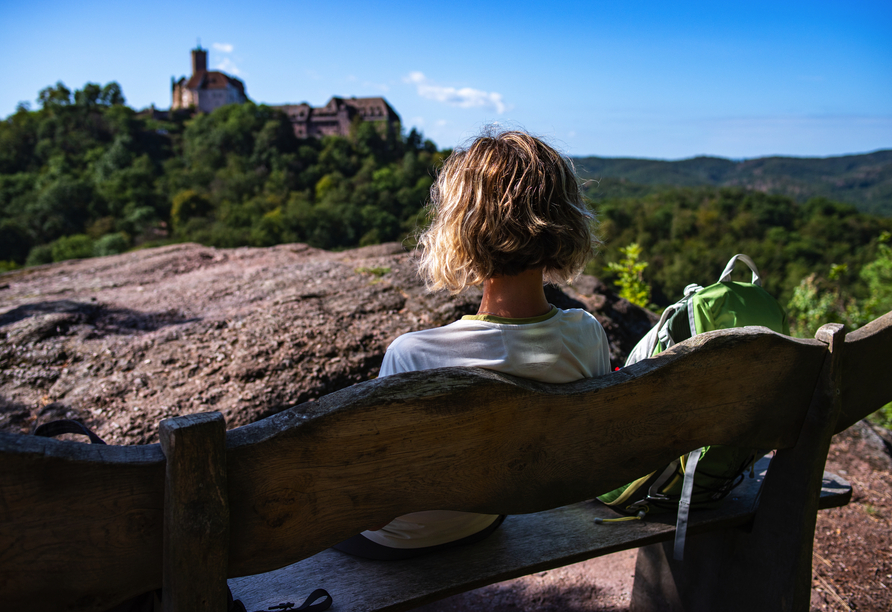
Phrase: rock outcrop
[122,342]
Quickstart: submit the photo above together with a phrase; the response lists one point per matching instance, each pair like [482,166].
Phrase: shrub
[39,255]
[631,278]
[78,246]
[111,244]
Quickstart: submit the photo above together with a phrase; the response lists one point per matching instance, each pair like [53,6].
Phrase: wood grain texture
[80,524]
[522,545]
[867,371]
[479,441]
[459,439]
[196,514]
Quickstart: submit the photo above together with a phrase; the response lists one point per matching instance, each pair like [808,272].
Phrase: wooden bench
[84,527]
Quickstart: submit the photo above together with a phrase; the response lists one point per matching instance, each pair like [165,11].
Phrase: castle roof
[373,107]
[212,79]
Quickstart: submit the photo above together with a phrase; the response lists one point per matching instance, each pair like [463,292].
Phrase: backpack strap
[62,426]
[689,292]
[692,322]
[660,328]
[638,517]
[684,504]
[726,274]
[654,492]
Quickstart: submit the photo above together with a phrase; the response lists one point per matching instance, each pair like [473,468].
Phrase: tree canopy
[88,171]
[687,235]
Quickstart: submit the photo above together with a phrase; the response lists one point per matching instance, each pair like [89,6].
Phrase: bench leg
[769,567]
[666,585]
[196,514]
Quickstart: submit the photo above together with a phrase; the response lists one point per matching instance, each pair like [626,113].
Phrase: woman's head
[506,204]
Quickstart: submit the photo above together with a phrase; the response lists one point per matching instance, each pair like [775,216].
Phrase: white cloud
[226,65]
[223,47]
[465,97]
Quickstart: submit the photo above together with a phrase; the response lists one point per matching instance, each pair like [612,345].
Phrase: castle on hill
[207,90]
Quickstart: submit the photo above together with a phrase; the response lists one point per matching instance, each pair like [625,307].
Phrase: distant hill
[864,181]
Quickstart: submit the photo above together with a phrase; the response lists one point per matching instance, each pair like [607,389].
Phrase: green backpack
[703,477]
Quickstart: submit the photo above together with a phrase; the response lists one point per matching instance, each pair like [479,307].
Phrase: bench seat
[524,544]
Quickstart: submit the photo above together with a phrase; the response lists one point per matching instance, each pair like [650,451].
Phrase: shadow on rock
[14,416]
[41,320]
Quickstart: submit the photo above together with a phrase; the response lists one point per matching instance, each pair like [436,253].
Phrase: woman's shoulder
[436,347]
[577,315]
[435,335]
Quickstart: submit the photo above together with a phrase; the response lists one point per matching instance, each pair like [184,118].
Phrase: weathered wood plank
[522,545]
[196,514]
[80,524]
[867,363]
[479,441]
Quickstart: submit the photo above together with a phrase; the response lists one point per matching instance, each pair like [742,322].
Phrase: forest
[85,175]
[863,180]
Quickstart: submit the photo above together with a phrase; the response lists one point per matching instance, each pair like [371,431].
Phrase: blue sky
[662,80]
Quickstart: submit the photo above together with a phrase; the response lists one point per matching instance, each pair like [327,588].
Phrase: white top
[558,347]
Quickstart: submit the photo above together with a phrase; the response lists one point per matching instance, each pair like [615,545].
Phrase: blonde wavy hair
[505,204]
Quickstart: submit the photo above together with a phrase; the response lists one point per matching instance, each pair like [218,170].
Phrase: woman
[508,215]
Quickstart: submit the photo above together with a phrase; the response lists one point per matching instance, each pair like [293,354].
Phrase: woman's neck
[521,296]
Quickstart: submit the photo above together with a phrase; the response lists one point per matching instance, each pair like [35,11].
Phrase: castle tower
[199,60]
[206,89]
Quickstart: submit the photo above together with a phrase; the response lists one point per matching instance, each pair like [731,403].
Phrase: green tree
[111,244]
[55,97]
[111,94]
[186,205]
[817,300]
[811,306]
[878,277]
[78,246]
[631,276]
[14,241]
[39,255]
[689,235]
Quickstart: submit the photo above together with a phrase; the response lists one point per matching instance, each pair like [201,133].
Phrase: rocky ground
[123,342]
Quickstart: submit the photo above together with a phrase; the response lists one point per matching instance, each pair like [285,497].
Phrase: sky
[663,80]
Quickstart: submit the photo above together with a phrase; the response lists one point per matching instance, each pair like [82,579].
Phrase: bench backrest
[89,520]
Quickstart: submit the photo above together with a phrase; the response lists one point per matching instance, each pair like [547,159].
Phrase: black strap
[307,605]
[325,604]
[54,428]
